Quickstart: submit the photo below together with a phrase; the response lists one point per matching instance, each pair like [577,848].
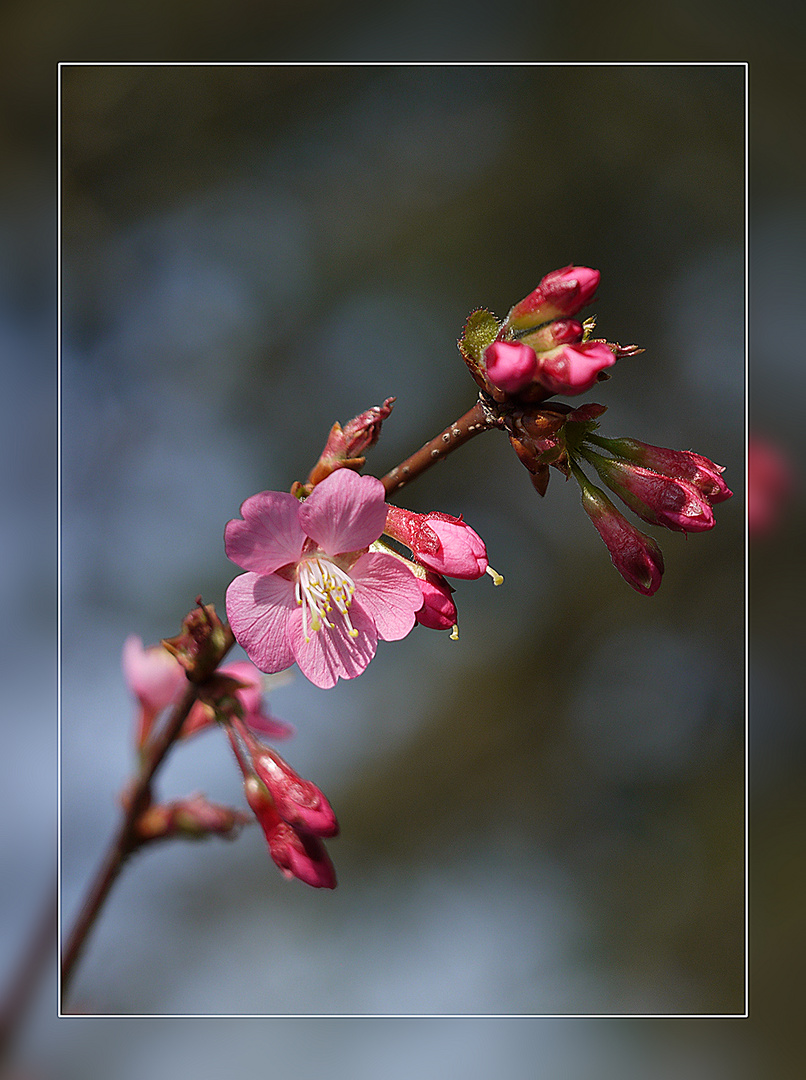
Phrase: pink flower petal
[258,608]
[388,591]
[153,675]
[270,536]
[331,654]
[251,697]
[346,512]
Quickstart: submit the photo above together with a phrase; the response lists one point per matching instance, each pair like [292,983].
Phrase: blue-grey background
[551,859]
[547,816]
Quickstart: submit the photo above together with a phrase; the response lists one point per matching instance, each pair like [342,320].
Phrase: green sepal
[481,330]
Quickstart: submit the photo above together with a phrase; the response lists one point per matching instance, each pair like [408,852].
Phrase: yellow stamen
[322,585]
[497,578]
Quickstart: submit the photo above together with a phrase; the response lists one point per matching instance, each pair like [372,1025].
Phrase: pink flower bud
[153,675]
[560,293]
[660,500]
[703,474]
[297,854]
[194,817]
[444,544]
[346,445]
[636,556]
[298,802]
[438,611]
[573,369]
[510,366]
[302,856]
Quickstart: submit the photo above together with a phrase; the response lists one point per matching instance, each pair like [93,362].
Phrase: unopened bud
[296,853]
[661,500]
[200,644]
[346,446]
[636,556]
[298,802]
[442,543]
[195,818]
[302,856]
[438,611]
[573,369]
[705,475]
[510,365]
[560,293]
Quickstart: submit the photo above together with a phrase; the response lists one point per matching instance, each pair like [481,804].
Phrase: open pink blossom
[313,593]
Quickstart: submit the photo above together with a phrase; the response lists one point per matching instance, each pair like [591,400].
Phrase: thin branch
[474,421]
[126,840]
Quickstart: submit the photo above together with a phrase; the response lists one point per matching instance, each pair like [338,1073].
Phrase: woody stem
[474,421]
[126,840]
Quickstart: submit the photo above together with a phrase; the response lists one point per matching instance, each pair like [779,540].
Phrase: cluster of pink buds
[540,350]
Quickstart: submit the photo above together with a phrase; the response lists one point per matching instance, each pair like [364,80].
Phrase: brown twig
[126,840]
[475,420]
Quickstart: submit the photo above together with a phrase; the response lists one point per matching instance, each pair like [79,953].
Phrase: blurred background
[546,817]
[548,812]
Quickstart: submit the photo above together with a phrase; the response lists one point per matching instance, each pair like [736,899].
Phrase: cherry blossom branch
[126,841]
[479,418]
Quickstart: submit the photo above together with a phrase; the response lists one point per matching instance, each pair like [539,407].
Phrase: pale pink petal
[258,608]
[346,512]
[331,654]
[270,536]
[250,696]
[153,675]
[388,591]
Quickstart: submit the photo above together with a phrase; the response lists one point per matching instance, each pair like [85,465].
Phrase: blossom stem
[126,840]
[479,418]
